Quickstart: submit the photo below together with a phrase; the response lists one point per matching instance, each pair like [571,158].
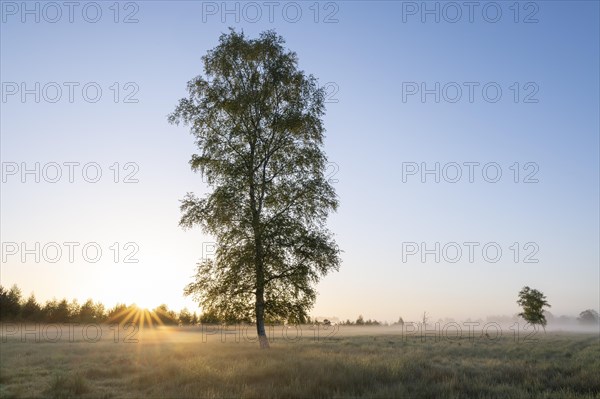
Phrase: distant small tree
[360,321]
[400,321]
[589,316]
[194,320]
[533,302]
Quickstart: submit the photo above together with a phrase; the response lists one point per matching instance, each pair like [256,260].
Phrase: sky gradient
[375,60]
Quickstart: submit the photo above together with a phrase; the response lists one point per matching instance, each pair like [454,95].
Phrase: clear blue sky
[371,59]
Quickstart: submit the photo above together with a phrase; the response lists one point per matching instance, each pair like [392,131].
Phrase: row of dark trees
[14,307]
[360,321]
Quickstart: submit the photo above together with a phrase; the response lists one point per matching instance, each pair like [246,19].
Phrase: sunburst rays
[143,318]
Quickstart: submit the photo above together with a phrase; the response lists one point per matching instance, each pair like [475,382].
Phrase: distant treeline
[360,321]
[13,307]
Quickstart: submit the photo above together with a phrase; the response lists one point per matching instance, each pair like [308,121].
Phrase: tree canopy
[588,316]
[533,302]
[257,123]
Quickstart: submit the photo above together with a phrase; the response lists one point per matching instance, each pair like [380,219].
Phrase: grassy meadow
[177,362]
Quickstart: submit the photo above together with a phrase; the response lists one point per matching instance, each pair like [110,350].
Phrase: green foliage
[13,308]
[360,321]
[257,122]
[209,317]
[166,316]
[10,303]
[91,312]
[533,302]
[59,311]
[118,313]
[31,309]
[185,317]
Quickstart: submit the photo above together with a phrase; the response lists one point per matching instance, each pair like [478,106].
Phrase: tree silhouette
[13,308]
[257,123]
[589,316]
[91,312]
[185,317]
[209,317]
[31,309]
[166,316]
[10,303]
[194,320]
[533,302]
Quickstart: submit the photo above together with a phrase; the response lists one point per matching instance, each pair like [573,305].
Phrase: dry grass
[175,363]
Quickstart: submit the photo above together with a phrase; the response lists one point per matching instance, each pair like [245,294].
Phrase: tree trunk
[260,298]
[260,321]
[258,259]
[260,291]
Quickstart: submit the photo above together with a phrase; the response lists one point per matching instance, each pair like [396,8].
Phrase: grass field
[354,362]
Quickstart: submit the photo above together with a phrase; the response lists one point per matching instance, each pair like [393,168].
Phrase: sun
[145,305]
[141,317]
